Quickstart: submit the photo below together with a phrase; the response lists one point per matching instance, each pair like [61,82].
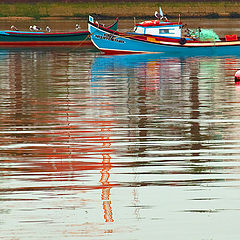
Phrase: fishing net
[205,35]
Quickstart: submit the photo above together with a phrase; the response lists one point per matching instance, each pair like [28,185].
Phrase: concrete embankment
[121,9]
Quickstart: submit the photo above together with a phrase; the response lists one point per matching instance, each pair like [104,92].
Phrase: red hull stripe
[46,34]
[46,43]
[119,52]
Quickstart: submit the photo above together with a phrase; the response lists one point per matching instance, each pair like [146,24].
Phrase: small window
[139,30]
[164,31]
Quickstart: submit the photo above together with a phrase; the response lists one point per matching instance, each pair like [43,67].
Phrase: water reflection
[170,100]
[109,146]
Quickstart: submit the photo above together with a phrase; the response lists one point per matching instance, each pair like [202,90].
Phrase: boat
[162,36]
[10,38]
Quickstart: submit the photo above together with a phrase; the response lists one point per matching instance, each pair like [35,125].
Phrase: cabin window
[139,30]
[163,30]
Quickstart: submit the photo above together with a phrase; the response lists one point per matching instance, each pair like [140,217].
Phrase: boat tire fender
[182,41]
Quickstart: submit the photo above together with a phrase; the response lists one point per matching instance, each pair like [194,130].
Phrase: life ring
[182,41]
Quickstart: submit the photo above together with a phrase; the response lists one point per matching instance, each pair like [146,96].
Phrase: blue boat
[161,36]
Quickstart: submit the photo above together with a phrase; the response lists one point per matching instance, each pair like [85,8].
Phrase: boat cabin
[159,28]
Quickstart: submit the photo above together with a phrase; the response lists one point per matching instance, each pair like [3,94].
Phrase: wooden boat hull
[114,43]
[25,39]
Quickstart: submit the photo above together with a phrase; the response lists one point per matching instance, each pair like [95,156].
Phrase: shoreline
[123,10]
[96,16]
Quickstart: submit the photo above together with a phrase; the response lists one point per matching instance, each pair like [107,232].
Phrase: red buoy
[237,76]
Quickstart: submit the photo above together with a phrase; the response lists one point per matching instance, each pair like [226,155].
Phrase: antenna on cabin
[134,21]
[179,18]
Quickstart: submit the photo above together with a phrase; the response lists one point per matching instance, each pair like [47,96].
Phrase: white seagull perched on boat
[48,29]
[157,15]
[77,27]
[36,28]
[13,28]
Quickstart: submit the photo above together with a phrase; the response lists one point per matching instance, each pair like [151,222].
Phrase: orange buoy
[237,76]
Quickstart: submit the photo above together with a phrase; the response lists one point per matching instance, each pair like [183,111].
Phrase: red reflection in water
[152,72]
[106,167]
[230,65]
[56,140]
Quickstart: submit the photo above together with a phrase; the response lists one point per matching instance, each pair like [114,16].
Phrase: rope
[88,36]
[80,44]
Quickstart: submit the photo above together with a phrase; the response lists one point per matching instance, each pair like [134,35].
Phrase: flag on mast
[161,12]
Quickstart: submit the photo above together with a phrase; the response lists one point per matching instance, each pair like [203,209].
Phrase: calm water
[119,147]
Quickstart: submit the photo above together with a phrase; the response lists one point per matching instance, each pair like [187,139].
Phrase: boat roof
[156,23]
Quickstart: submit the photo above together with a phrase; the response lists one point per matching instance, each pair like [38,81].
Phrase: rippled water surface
[118,147]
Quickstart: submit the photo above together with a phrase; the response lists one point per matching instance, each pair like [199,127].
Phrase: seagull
[48,29]
[13,28]
[36,28]
[77,27]
[31,28]
[157,15]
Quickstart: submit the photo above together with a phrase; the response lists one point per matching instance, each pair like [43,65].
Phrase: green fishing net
[205,34]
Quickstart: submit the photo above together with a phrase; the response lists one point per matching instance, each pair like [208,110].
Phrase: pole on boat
[199,31]
[179,21]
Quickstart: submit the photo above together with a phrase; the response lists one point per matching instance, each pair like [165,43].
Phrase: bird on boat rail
[13,28]
[77,27]
[35,28]
[48,29]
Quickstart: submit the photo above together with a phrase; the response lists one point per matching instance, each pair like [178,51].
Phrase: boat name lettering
[109,37]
